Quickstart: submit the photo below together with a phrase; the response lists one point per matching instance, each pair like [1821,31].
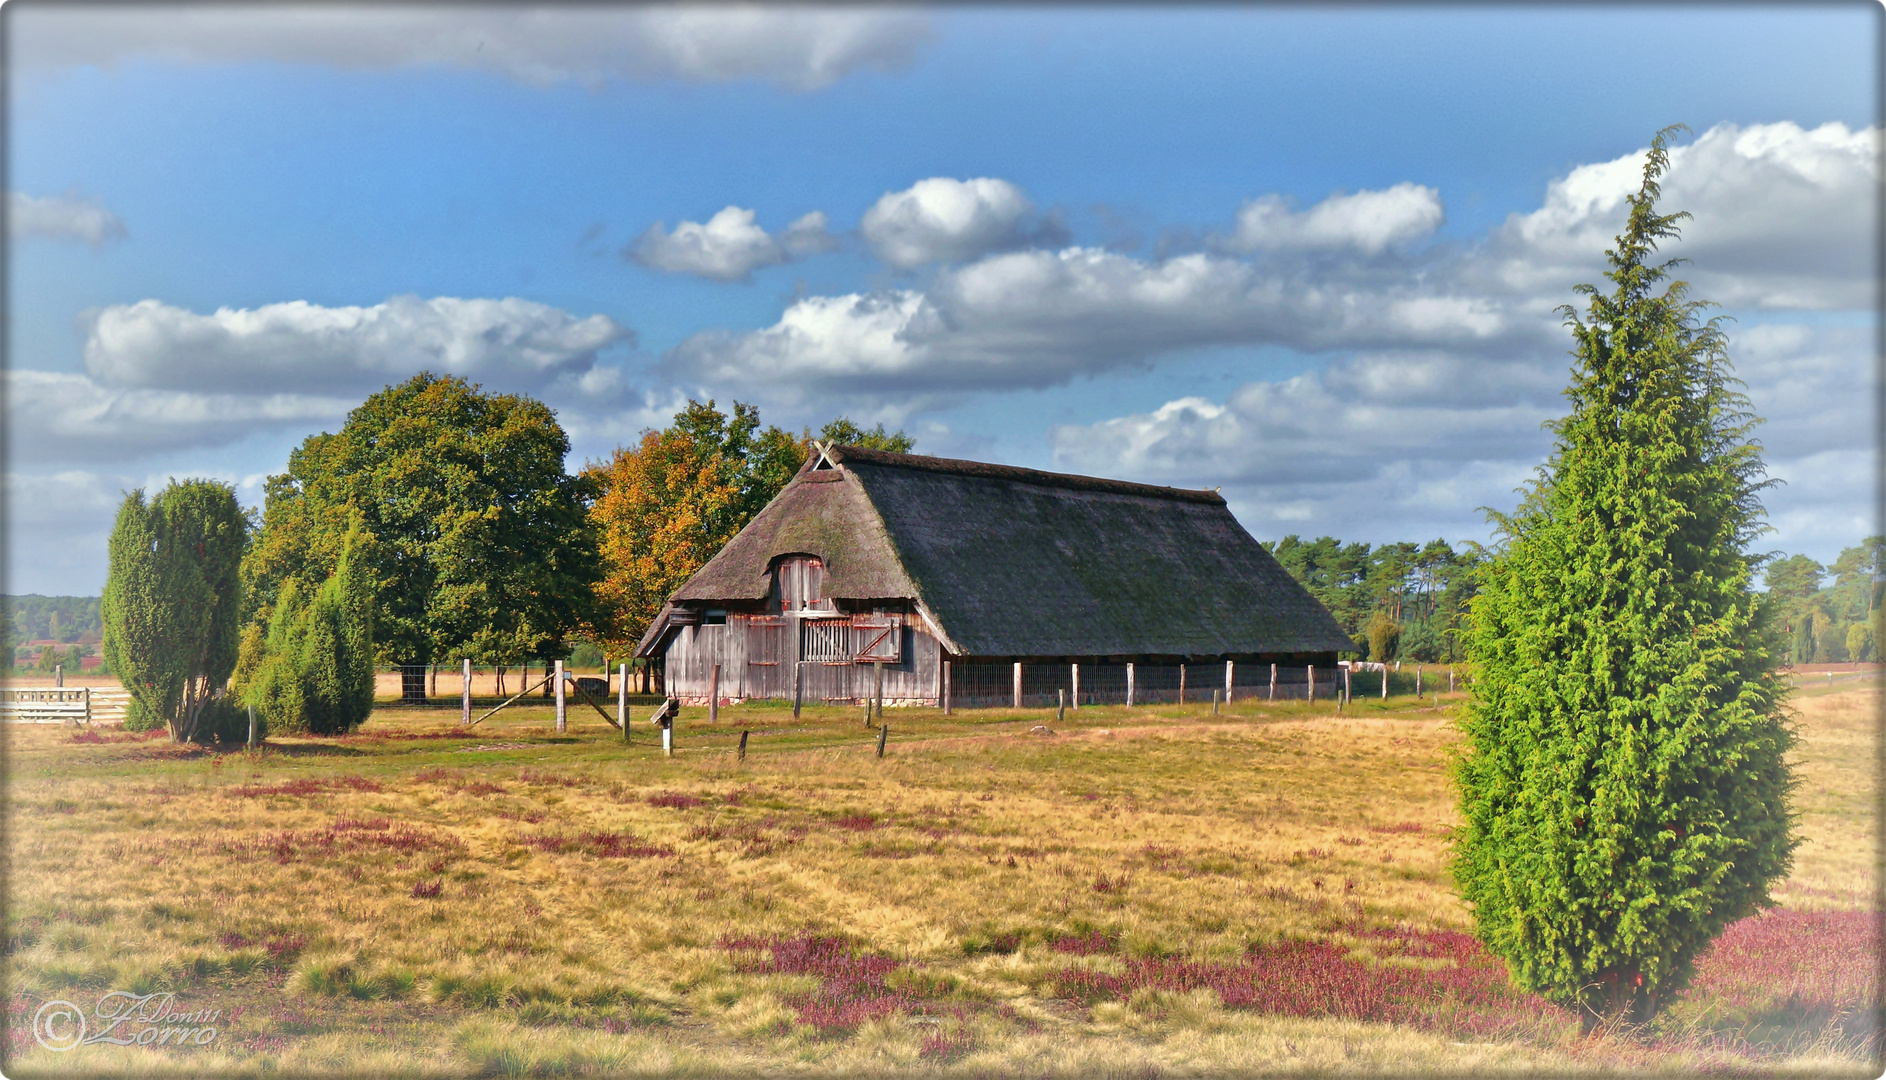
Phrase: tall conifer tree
[1623,781]
[172,603]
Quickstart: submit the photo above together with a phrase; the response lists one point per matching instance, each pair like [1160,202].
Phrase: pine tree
[1623,780]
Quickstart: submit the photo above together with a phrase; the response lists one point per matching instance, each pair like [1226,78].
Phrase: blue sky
[1308,256]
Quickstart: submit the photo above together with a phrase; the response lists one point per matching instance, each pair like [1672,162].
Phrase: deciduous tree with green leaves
[1623,782]
[172,604]
[482,546]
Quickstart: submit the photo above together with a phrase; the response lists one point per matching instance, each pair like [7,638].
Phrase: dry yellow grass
[289,884]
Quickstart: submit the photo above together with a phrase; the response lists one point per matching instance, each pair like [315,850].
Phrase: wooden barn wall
[694,650]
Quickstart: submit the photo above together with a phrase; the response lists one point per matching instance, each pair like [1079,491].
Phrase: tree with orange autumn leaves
[667,504]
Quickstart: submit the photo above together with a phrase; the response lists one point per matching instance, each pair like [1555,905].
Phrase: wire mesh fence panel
[1103,684]
[982,684]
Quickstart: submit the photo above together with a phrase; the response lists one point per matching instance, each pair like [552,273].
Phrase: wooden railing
[62,705]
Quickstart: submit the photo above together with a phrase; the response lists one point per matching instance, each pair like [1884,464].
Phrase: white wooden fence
[62,705]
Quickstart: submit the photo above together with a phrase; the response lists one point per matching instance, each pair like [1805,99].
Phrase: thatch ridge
[1019,475]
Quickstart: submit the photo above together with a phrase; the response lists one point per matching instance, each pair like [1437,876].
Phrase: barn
[986,584]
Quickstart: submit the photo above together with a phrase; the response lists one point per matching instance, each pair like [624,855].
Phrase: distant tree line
[1831,614]
[1396,601]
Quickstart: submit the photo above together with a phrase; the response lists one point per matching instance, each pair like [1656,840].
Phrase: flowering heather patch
[858,822]
[1092,943]
[88,737]
[457,782]
[1116,884]
[230,939]
[305,785]
[425,889]
[344,836]
[603,845]
[852,989]
[1784,975]
[550,779]
[283,948]
[1398,827]
[674,800]
[942,1046]
[1469,995]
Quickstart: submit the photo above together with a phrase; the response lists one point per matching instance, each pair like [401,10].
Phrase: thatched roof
[1018,562]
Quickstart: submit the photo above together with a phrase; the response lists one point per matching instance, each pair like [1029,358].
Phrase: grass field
[1137,893]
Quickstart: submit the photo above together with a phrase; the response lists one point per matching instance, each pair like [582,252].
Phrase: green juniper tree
[1623,781]
[171,608]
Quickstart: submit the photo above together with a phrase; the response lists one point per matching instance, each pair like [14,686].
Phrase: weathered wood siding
[757,655]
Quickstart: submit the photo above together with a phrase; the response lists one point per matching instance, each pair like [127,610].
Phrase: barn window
[715,617]
[800,579]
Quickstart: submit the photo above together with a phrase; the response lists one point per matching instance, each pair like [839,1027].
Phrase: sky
[1311,257]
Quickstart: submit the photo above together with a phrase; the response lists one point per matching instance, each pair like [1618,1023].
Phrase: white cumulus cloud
[1367,221]
[1782,217]
[730,246]
[62,217]
[800,48]
[945,220]
[1036,318]
[58,417]
[508,342]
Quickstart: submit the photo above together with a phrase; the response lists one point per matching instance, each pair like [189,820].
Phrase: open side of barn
[871,561]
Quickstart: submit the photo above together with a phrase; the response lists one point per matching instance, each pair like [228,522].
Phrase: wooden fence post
[1076,677]
[622,703]
[1228,671]
[798,686]
[1018,684]
[884,733]
[1273,682]
[1418,670]
[713,696]
[1311,681]
[1450,678]
[563,715]
[1060,705]
[252,727]
[1181,684]
[1348,688]
[58,674]
[1129,685]
[464,711]
[743,745]
[946,688]
[435,680]
[668,739]
[1214,702]
[1384,682]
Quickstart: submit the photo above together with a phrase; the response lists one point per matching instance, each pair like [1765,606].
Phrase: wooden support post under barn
[952,577]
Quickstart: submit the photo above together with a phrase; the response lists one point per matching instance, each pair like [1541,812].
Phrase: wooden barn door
[769,659]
